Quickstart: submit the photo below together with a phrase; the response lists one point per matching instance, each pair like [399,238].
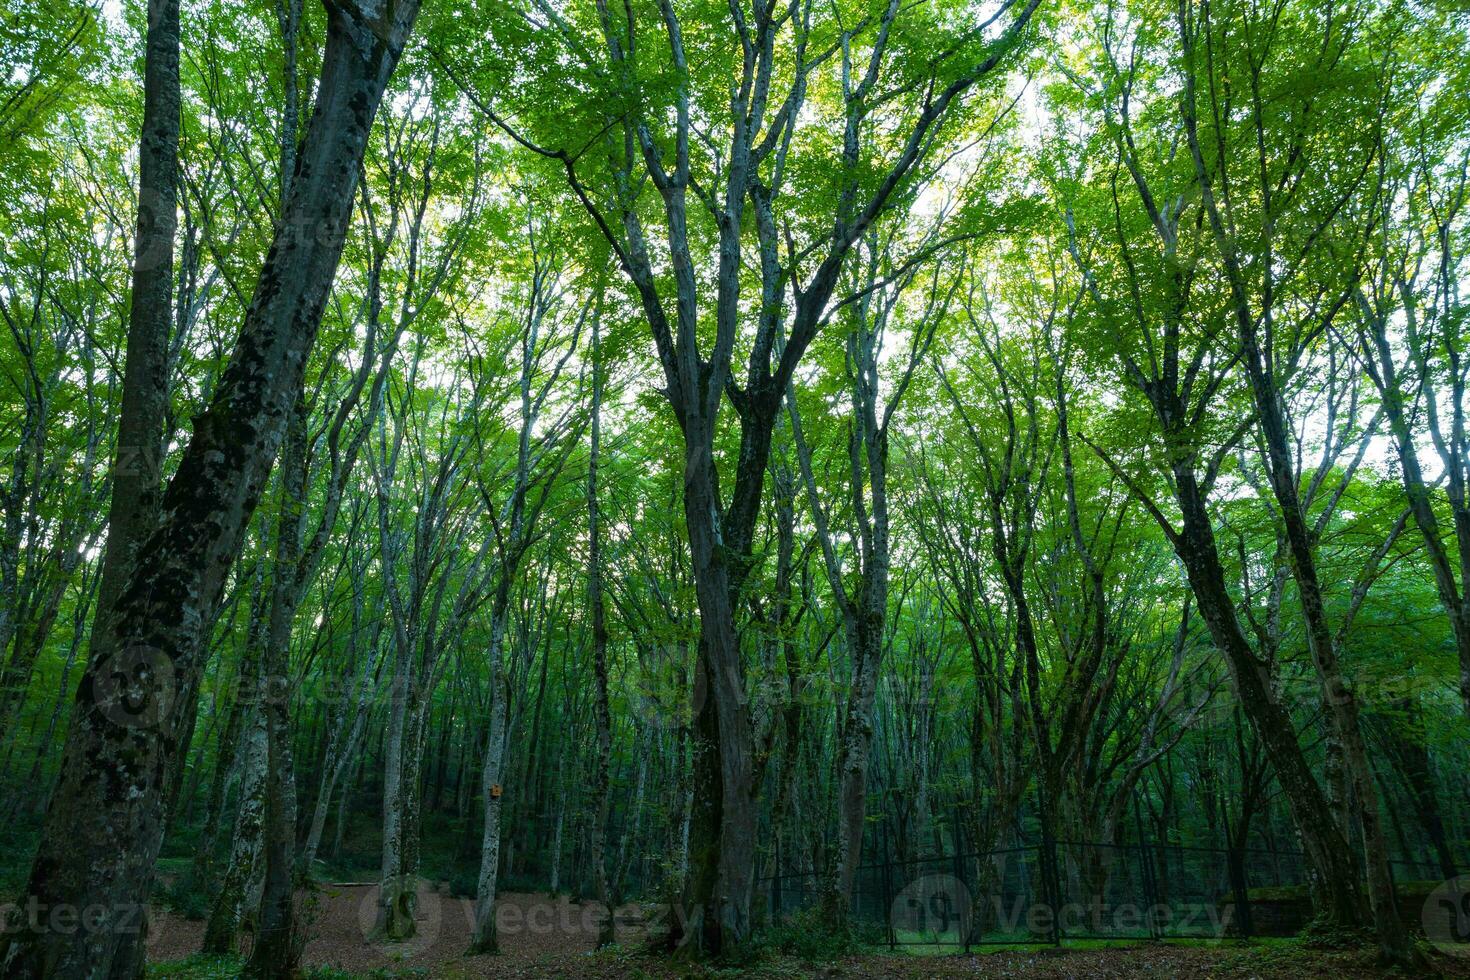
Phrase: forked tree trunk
[1338,693]
[1337,690]
[722,835]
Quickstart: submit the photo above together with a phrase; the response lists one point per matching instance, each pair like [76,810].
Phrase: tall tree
[782,48]
[105,822]
[863,606]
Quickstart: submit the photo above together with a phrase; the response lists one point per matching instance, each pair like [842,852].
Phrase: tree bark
[486,938]
[105,823]
[1337,895]
[241,885]
[137,473]
[276,949]
[1337,688]
[601,785]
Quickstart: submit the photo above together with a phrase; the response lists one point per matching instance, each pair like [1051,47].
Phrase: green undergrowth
[808,935]
[1405,890]
[202,967]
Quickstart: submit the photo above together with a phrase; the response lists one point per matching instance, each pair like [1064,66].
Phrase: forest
[734,487]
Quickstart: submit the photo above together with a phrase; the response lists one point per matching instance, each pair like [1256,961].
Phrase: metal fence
[1053,891]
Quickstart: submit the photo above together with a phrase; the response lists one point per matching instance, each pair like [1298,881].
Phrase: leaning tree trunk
[105,823]
[1336,894]
[1341,700]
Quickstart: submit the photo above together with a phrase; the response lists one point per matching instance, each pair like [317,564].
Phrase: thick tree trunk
[722,847]
[852,755]
[105,823]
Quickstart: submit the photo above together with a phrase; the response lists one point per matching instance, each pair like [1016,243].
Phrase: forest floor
[543,936]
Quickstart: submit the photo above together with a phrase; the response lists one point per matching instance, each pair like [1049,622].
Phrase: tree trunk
[276,950]
[722,847]
[226,753]
[339,758]
[137,474]
[601,786]
[1336,896]
[240,888]
[105,823]
[396,888]
[486,938]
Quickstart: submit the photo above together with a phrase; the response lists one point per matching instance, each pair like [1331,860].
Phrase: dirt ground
[540,936]
[554,937]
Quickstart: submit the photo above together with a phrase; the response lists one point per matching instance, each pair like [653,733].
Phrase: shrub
[464,883]
[808,935]
[184,895]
